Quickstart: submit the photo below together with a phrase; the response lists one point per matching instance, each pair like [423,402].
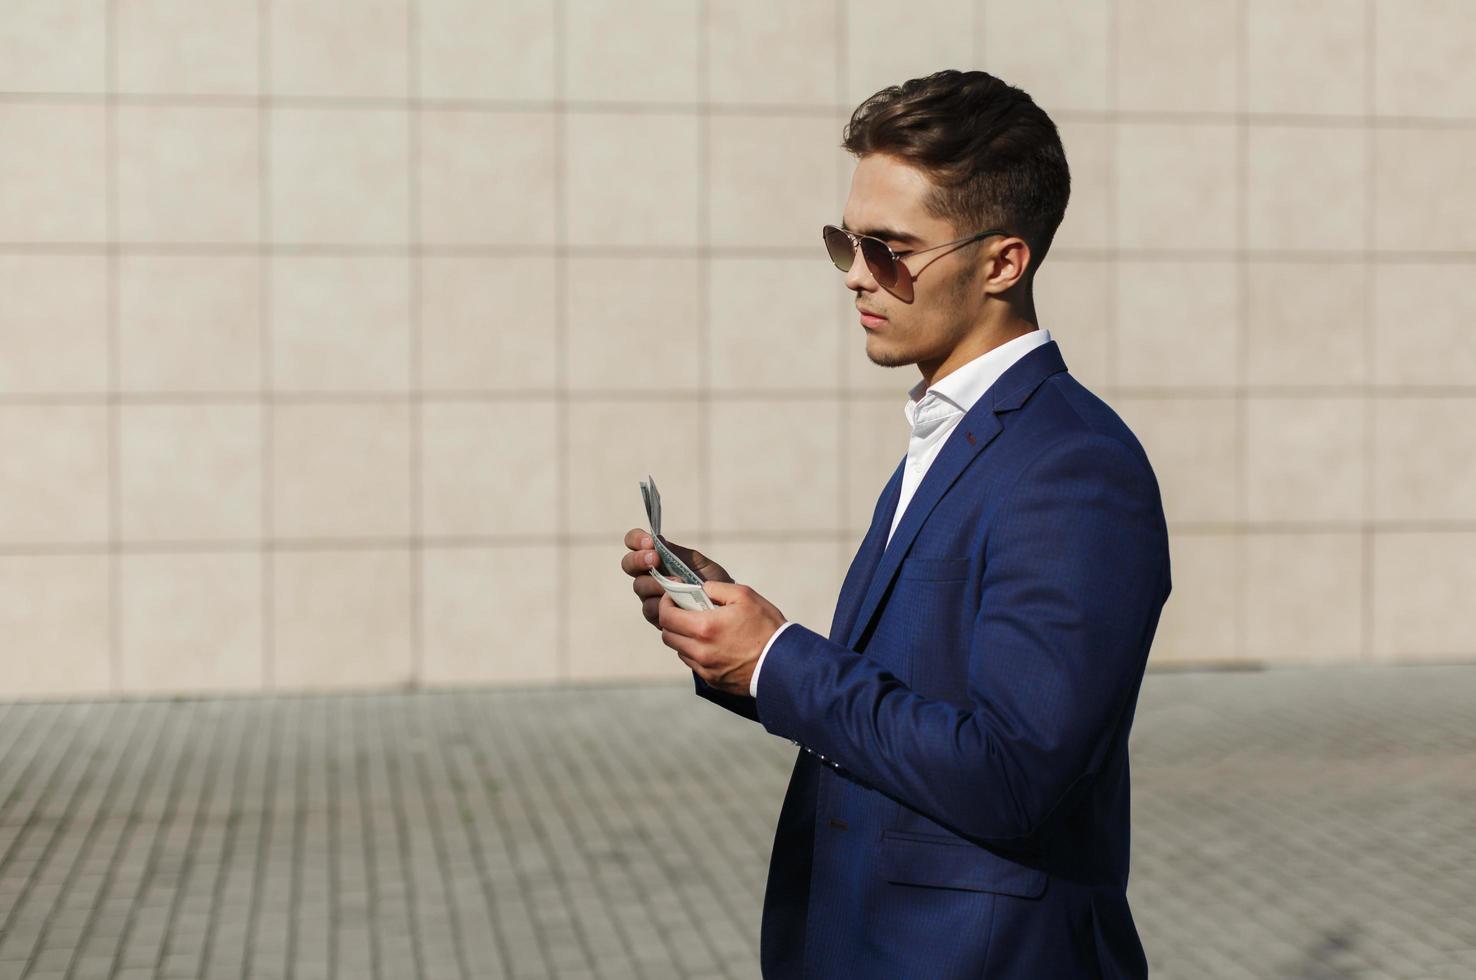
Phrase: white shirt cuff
[753,681]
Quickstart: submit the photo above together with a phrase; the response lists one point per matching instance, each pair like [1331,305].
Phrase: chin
[882,357]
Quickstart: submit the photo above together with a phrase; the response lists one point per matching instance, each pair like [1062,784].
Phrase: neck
[983,339]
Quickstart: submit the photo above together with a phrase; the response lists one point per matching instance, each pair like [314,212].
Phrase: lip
[871,320]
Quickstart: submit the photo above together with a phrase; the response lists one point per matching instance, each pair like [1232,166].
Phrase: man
[960,804]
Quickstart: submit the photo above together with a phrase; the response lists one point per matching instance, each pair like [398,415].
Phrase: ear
[1008,265]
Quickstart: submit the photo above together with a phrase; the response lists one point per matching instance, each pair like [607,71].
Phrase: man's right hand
[642,557]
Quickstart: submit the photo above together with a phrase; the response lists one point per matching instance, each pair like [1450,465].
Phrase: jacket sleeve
[739,704]
[1075,572]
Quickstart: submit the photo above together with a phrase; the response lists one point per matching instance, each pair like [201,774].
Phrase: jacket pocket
[934,569]
[915,859]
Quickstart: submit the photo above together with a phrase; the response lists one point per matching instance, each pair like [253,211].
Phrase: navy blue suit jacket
[960,806]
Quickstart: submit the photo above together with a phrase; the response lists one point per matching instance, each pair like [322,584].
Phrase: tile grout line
[300,750]
[562,402]
[1114,245]
[1367,538]
[361,764]
[1241,544]
[844,420]
[1390,392]
[706,440]
[265,374]
[395,762]
[416,412]
[1066,253]
[495,250]
[332,834]
[229,787]
[813,536]
[350,733]
[1356,121]
[269,829]
[114,490]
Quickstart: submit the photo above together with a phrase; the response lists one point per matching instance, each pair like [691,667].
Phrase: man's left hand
[722,645]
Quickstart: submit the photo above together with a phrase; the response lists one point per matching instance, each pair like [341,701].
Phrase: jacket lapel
[867,556]
[974,431]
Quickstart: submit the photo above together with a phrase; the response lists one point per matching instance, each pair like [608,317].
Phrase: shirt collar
[965,386]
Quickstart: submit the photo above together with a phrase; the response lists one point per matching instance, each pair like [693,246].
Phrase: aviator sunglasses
[885,265]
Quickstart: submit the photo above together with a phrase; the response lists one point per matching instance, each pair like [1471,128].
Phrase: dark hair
[994,154]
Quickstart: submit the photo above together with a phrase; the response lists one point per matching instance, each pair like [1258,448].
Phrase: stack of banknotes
[680,582]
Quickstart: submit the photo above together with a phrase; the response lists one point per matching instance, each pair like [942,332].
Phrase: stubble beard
[883,358]
[957,294]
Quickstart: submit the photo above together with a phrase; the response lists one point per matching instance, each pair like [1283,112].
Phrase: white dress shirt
[933,414]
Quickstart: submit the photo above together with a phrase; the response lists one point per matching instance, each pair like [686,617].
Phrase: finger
[665,603]
[724,592]
[685,651]
[636,562]
[647,587]
[636,538]
[682,621]
[651,609]
[694,665]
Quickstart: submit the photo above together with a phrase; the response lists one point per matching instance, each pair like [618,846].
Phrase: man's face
[886,202]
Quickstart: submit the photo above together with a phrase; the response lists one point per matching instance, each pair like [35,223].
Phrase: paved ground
[1302,824]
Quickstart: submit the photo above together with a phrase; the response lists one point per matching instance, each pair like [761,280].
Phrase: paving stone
[1298,823]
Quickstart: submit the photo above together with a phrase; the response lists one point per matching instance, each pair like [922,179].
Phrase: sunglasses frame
[895,256]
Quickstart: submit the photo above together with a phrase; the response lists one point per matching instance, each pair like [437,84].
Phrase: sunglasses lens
[843,253]
[879,261]
[838,244]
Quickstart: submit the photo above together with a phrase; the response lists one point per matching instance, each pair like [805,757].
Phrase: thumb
[723,592]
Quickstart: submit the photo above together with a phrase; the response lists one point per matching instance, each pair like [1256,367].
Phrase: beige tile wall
[334,336]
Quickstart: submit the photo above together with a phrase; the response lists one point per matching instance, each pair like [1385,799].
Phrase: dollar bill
[684,585]
[650,515]
[670,563]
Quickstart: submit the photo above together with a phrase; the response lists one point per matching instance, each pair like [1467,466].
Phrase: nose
[859,275]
